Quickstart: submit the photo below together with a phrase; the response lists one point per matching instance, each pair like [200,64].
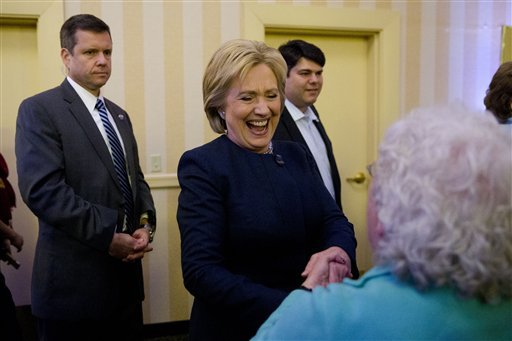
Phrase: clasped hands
[328,266]
[129,248]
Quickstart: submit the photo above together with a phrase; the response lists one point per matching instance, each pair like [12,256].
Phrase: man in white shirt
[300,122]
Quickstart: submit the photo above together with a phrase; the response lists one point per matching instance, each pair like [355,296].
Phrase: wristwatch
[151,230]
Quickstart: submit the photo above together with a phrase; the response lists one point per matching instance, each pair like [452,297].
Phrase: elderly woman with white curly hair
[439,222]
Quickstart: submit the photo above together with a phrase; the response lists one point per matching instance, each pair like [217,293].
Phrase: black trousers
[127,327]
[9,327]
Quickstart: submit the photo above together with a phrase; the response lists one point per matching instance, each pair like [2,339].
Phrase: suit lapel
[320,127]
[78,109]
[330,155]
[291,127]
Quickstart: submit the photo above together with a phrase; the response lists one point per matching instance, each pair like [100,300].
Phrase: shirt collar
[86,97]
[296,114]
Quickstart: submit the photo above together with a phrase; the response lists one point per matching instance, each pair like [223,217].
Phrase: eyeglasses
[370,168]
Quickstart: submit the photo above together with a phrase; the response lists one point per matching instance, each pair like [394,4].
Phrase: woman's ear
[222,114]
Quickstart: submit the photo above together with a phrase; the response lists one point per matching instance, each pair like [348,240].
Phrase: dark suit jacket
[249,224]
[67,178]
[287,130]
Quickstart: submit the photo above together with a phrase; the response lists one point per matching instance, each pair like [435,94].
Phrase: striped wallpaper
[450,49]
[449,52]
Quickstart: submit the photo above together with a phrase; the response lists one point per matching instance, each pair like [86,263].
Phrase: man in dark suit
[300,121]
[95,210]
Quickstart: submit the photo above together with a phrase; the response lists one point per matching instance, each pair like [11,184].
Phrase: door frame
[48,16]
[381,28]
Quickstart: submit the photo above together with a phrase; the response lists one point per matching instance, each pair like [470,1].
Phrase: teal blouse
[380,307]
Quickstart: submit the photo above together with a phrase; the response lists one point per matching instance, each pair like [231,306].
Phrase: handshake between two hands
[328,266]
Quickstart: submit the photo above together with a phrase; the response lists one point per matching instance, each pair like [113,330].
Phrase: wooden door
[343,108]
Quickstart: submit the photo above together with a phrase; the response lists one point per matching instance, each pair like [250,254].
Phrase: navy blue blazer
[66,177]
[249,224]
[287,130]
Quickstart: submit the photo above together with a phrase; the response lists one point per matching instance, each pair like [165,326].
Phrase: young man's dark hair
[294,50]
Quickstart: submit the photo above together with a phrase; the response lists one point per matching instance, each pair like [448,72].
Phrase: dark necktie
[320,129]
[119,163]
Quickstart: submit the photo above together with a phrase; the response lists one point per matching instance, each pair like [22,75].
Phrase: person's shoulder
[286,146]
[374,274]
[112,106]
[209,159]
[45,95]
[291,150]
[212,149]
[216,143]
[285,117]
[285,111]
[43,104]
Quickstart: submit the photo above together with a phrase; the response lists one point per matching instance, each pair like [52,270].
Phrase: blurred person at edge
[9,326]
[254,217]
[439,222]
[498,97]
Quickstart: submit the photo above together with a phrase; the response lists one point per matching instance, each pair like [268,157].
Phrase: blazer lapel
[330,155]
[291,127]
[321,130]
[78,109]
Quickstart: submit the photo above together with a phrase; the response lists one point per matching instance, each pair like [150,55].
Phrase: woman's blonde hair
[232,61]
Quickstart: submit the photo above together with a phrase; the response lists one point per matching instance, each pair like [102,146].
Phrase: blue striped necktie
[119,163]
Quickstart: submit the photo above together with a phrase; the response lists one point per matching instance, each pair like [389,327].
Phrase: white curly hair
[442,192]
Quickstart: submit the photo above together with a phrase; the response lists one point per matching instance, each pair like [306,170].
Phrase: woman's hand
[328,266]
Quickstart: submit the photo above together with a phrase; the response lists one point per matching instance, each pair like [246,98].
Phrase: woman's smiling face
[252,109]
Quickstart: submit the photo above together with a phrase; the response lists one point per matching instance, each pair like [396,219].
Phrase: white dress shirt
[311,135]
[90,102]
